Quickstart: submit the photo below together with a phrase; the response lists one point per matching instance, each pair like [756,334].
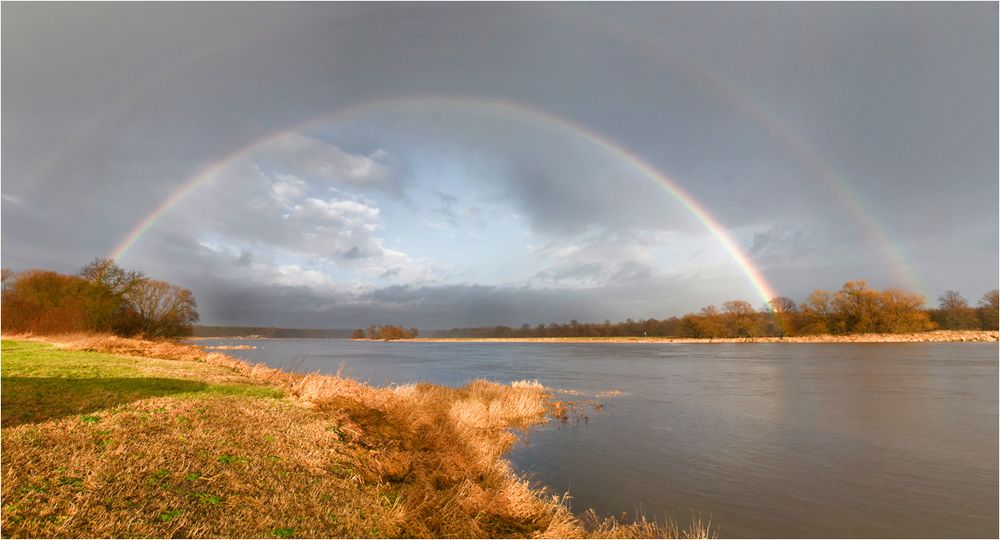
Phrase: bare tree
[708,323]
[952,300]
[782,311]
[820,313]
[991,300]
[107,273]
[989,309]
[740,318]
[162,309]
[107,298]
[858,306]
[955,312]
[902,311]
[782,304]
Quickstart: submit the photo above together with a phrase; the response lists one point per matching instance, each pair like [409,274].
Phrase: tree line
[102,297]
[201,330]
[855,308]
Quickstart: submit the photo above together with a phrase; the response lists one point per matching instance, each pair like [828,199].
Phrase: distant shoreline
[939,336]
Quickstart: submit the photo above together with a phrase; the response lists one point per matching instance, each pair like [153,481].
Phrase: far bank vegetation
[385,332]
[854,309]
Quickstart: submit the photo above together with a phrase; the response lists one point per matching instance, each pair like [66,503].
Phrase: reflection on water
[768,440]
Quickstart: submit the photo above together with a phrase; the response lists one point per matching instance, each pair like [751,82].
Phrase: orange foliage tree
[101,298]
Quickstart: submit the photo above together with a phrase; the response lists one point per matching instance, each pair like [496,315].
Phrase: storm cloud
[829,141]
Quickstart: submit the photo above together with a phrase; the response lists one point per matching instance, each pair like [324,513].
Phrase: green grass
[169,515]
[40,382]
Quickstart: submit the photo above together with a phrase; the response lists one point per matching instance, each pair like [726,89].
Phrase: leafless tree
[106,273]
[989,309]
[955,312]
[162,309]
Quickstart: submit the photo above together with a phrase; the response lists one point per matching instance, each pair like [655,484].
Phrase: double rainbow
[653,46]
[504,109]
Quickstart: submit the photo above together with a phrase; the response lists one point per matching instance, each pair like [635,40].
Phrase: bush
[102,298]
[390,332]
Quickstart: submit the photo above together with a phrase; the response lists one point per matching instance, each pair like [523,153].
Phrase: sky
[438,165]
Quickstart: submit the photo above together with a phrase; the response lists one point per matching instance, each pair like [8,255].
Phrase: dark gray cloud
[786,121]
[434,307]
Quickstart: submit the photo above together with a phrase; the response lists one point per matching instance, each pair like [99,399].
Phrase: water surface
[767,440]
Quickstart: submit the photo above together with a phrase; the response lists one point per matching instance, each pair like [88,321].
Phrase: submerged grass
[112,437]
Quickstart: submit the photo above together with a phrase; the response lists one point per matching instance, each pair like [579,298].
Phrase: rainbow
[877,234]
[485,106]
[780,131]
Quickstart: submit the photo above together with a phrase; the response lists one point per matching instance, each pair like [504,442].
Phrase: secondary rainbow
[505,109]
[877,234]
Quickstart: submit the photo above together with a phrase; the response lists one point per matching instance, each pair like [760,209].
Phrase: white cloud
[285,210]
[340,212]
[294,275]
[312,158]
[596,258]
[287,188]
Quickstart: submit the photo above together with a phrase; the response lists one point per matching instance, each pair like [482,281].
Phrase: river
[766,440]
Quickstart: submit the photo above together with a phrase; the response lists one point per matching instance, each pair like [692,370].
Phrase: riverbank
[112,437]
[938,336]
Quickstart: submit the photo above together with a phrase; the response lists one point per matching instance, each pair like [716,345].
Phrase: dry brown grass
[166,467]
[334,458]
[641,527]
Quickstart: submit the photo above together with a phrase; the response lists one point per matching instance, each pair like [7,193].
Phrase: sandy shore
[921,337]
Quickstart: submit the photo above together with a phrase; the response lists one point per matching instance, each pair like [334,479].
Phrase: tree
[819,314]
[782,312]
[107,274]
[955,313]
[901,311]
[858,306]
[690,325]
[708,324]
[107,298]
[358,334]
[162,309]
[102,297]
[782,304]
[740,319]
[44,302]
[389,332]
[989,309]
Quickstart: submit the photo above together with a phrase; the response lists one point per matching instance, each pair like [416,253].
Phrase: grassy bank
[937,336]
[107,437]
